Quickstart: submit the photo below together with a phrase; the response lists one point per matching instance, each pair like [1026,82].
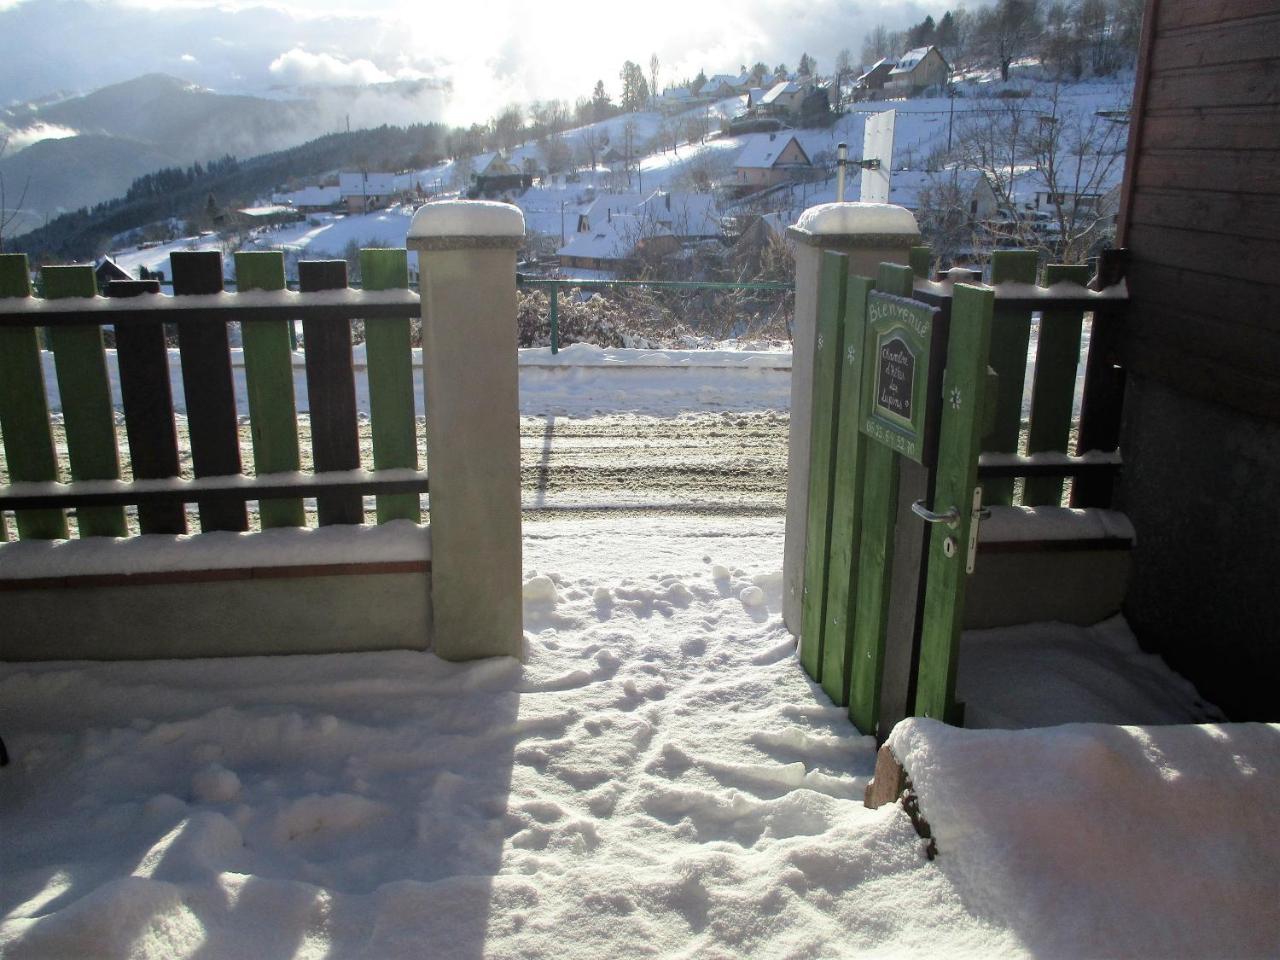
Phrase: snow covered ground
[658,779]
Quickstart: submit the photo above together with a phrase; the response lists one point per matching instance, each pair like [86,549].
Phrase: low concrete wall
[1040,584]
[216,616]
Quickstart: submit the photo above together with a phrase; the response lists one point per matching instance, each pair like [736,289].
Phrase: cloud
[24,137]
[301,67]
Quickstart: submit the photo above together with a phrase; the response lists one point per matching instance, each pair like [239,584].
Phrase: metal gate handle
[951,517]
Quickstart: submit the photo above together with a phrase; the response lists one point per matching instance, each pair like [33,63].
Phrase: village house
[724,85]
[492,165]
[311,199]
[876,77]
[603,207]
[967,190]
[917,70]
[362,191]
[770,158]
[688,217]
[614,245]
[675,99]
[784,97]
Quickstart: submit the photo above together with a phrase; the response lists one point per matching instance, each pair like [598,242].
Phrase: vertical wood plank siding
[331,392]
[1057,357]
[85,392]
[969,342]
[147,398]
[1010,334]
[828,353]
[846,513]
[1201,198]
[24,413]
[268,370]
[389,356]
[208,389]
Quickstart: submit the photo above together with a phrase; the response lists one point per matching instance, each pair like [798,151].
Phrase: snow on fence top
[467,218]
[857,217]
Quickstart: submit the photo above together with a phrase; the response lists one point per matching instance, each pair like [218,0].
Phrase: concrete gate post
[871,234]
[467,263]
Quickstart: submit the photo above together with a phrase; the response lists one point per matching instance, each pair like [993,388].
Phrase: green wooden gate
[922,411]
[900,391]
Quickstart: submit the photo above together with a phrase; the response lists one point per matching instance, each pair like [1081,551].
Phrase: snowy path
[659,779]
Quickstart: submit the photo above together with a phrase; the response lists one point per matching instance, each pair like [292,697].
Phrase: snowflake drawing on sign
[850,355]
[955,398]
[819,341]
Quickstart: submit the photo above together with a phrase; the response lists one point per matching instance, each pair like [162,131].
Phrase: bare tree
[1078,156]
[943,210]
[653,76]
[842,74]
[1009,30]
[875,46]
[592,141]
[9,214]
[1071,159]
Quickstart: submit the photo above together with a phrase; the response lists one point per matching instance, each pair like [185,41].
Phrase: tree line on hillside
[1072,38]
[199,194]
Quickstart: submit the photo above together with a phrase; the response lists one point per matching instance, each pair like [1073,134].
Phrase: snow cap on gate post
[467,265]
[871,234]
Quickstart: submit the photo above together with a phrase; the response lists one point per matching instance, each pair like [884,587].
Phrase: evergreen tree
[635,91]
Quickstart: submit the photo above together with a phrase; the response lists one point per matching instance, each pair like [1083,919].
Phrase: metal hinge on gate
[979,514]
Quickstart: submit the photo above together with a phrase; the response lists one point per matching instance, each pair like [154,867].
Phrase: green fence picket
[389,352]
[1053,393]
[846,513]
[875,551]
[85,389]
[921,259]
[960,440]
[268,370]
[1010,333]
[871,603]
[24,412]
[828,353]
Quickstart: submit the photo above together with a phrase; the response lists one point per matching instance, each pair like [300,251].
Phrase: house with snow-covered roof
[604,206]
[783,97]
[876,77]
[770,158]
[311,199]
[363,191]
[492,165]
[725,85]
[917,70]
[687,216]
[614,244]
[966,191]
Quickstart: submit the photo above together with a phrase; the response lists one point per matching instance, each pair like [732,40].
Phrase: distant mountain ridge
[132,128]
[184,121]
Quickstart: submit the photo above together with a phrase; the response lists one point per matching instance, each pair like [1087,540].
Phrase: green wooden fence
[43,487]
[883,591]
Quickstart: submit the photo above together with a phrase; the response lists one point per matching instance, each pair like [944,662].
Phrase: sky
[489,53]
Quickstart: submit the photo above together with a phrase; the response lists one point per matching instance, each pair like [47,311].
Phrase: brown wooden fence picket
[331,392]
[208,388]
[147,397]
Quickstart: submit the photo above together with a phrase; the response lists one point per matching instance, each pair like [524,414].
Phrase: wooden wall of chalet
[1201,215]
[1202,207]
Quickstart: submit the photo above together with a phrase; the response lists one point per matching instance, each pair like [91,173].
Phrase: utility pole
[951,118]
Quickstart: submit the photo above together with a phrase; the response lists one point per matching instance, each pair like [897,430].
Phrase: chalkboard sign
[895,372]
